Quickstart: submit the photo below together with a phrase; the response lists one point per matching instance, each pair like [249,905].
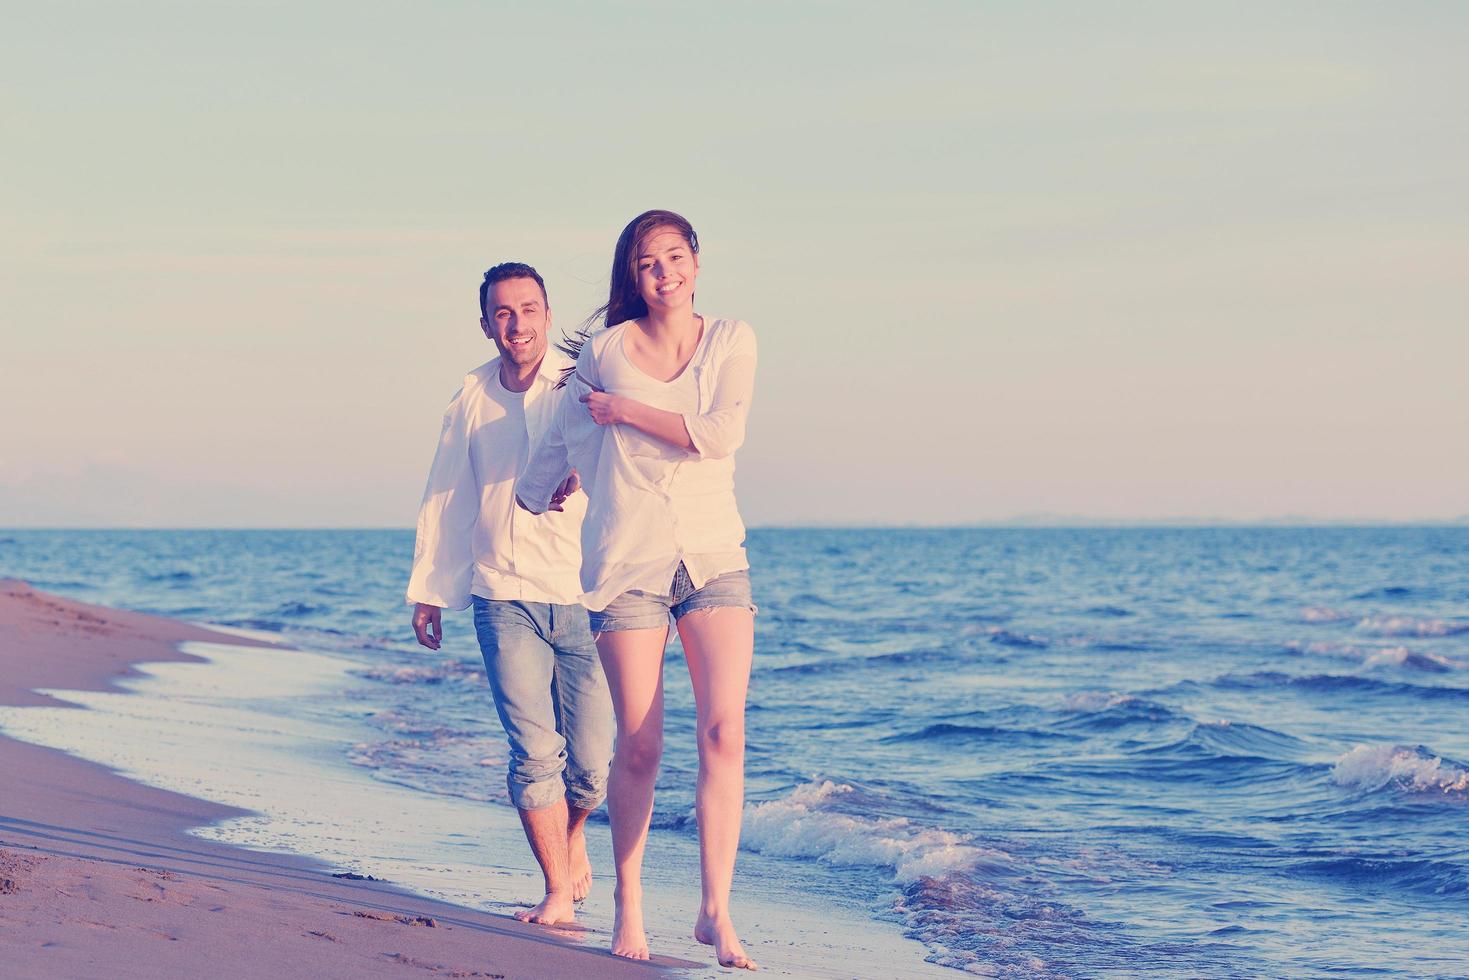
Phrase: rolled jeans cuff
[584,791]
[538,794]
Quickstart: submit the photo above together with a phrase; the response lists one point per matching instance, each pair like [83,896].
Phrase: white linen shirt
[472,538]
[652,505]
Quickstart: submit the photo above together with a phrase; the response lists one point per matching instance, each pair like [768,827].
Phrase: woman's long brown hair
[623,300]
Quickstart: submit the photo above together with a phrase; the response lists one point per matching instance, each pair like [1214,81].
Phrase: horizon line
[1058,523]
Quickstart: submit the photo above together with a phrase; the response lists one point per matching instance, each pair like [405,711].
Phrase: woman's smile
[667,267]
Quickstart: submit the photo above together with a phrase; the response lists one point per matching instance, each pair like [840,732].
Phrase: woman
[662,398]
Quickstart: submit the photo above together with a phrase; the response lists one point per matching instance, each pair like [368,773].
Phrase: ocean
[1205,752]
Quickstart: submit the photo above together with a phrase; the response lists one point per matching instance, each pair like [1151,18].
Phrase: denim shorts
[639,610]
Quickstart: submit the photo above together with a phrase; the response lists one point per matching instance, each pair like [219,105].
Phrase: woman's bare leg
[633,663]
[719,645]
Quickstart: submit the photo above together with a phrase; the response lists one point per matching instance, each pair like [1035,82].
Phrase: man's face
[518,320]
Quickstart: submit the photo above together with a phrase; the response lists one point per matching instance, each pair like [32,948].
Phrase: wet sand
[100,877]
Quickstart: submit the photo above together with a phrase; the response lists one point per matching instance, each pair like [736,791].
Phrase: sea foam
[1323,614]
[440,672]
[1372,767]
[1408,626]
[1090,702]
[1378,656]
[806,824]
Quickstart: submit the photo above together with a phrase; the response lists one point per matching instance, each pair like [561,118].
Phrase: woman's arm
[668,427]
[713,434]
[718,432]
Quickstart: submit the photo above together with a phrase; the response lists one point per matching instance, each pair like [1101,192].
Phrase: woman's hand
[606,409]
[620,410]
[569,486]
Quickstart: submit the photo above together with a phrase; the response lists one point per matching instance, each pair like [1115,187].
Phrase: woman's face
[666,269]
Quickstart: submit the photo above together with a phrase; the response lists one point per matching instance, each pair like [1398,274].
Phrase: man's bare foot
[581,866]
[555,908]
[628,938]
[719,932]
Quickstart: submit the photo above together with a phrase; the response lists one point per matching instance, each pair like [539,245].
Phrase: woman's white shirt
[652,505]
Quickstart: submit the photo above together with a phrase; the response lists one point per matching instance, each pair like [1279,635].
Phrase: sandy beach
[99,875]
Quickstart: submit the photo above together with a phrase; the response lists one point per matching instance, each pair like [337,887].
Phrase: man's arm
[443,555]
[548,472]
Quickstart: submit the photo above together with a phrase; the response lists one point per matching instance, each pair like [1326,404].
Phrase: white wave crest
[1371,767]
[801,825]
[1376,656]
[1408,626]
[1090,702]
[1387,655]
[1321,614]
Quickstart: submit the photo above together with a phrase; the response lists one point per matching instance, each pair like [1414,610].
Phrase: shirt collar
[550,372]
[553,364]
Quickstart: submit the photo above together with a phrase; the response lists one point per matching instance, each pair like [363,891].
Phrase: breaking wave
[808,824]
[1408,626]
[1094,701]
[1411,769]
[1379,656]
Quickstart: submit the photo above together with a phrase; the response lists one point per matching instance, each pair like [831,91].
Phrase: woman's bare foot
[555,908]
[719,932]
[628,938]
[581,865]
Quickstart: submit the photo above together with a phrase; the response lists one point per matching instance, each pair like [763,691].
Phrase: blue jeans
[639,610]
[552,699]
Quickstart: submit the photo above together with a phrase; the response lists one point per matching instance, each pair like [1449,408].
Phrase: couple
[646,422]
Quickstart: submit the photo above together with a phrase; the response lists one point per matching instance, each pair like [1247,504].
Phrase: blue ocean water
[1046,753]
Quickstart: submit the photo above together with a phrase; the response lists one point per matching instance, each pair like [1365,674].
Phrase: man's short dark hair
[508,270]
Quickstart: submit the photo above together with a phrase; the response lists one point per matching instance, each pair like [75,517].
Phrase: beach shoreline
[100,875]
[1222,752]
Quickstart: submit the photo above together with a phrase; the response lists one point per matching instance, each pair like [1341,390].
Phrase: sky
[1106,261]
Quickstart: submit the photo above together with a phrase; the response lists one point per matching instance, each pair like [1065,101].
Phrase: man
[521,573]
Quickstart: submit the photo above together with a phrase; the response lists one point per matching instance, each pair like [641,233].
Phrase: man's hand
[606,409]
[569,486]
[427,625]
